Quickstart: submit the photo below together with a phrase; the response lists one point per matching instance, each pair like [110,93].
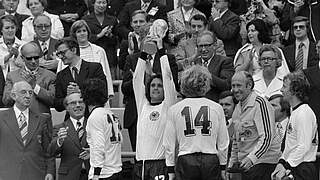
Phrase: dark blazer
[313,74]
[109,44]
[130,112]
[114,6]
[290,55]
[2,83]
[130,7]
[123,53]
[19,161]
[51,49]
[222,70]
[87,70]
[71,165]
[227,29]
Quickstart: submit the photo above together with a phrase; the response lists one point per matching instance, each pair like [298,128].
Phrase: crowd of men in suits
[266,105]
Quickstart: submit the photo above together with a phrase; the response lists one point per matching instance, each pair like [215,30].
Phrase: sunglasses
[32,58]
[268,59]
[62,53]
[299,27]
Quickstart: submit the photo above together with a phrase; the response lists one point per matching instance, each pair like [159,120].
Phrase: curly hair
[195,81]
[262,29]
[94,92]
[299,85]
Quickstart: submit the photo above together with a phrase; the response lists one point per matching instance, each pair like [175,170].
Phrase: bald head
[242,85]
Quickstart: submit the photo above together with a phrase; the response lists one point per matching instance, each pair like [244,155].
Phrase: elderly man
[24,139]
[69,140]
[42,27]
[254,127]
[41,80]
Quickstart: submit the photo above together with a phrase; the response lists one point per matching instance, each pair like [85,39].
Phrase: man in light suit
[70,141]
[42,27]
[220,67]
[24,139]
[41,80]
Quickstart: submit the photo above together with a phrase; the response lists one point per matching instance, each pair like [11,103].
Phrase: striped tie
[80,130]
[44,49]
[23,127]
[299,59]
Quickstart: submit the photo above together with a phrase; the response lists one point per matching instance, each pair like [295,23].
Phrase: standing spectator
[114,7]
[103,133]
[154,10]
[154,94]
[228,103]
[2,83]
[89,52]
[301,138]
[42,27]
[71,78]
[302,53]
[24,139]
[69,141]
[254,125]
[9,45]
[10,7]
[38,7]
[202,151]
[104,30]
[220,67]
[226,25]
[68,11]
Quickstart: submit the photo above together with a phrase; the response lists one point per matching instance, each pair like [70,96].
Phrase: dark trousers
[260,171]
[83,175]
[198,166]
[133,136]
[305,171]
[153,170]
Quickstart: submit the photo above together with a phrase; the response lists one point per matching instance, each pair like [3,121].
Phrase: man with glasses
[69,141]
[41,80]
[220,67]
[42,28]
[71,78]
[302,53]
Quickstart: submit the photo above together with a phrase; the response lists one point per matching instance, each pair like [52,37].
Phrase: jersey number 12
[201,121]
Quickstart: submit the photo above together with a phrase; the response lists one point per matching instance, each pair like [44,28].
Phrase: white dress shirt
[17,112]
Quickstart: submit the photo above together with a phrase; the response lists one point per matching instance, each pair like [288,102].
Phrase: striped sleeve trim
[267,127]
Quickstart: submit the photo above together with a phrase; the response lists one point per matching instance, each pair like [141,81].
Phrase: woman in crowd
[103,28]
[246,58]
[37,7]
[9,45]
[90,52]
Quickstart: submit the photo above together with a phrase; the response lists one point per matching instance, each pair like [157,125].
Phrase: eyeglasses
[299,27]
[32,58]
[42,26]
[74,103]
[206,46]
[268,59]
[62,53]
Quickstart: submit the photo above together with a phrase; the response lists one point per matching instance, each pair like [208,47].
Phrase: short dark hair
[285,106]
[43,2]
[156,76]
[70,43]
[301,19]
[199,17]
[8,18]
[225,94]
[299,85]
[262,29]
[94,92]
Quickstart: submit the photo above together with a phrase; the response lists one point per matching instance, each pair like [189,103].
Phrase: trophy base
[235,168]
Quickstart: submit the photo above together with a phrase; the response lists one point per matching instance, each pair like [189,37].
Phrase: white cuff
[37,89]
[58,143]
[130,51]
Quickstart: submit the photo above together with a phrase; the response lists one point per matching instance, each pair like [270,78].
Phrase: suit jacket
[221,69]
[123,53]
[290,55]
[2,83]
[313,74]
[87,70]
[19,161]
[44,100]
[130,112]
[130,7]
[114,6]
[227,29]
[51,49]
[71,165]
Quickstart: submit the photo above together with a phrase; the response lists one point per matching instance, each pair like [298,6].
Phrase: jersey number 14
[201,121]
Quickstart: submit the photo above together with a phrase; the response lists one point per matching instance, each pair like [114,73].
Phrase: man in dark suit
[154,10]
[69,140]
[114,7]
[10,7]
[2,83]
[71,78]
[226,25]
[220,67]
[42,27]
[302,53]
[24,139]
[130,112]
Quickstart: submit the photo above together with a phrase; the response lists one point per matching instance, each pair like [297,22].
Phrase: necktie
[75,73]
[144,7]
[299,59]
[44,49]
[23,127]
[80,130]
[205,64]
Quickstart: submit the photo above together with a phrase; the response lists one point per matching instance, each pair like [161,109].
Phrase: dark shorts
[260,171]
[153,170]
[305,171]
[198,166]
[116,176]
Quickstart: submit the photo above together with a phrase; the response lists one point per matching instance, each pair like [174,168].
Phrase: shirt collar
[148,3]
[78,66]
[223,12]
[305,42]
[6,13]
[32,72]
[74,122]
[17,112]
[47,42]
